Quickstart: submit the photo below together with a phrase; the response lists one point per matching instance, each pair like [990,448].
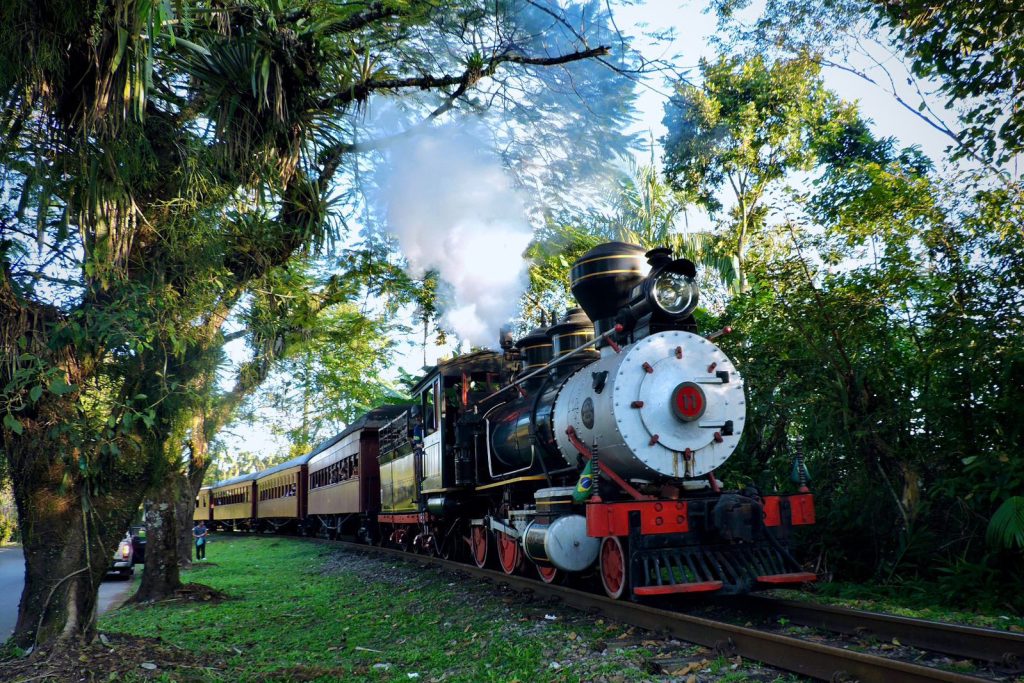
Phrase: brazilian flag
[585,485]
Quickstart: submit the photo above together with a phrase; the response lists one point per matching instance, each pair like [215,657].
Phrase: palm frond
[1006,528]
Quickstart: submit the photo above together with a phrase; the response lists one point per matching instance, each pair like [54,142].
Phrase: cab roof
[488,361]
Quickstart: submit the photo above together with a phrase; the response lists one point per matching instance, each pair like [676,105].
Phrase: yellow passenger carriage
[204,506]
[234,502]
[281,493]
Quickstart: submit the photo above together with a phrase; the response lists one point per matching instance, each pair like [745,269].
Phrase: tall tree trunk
[162,576]
[169,512]
[73,506]
[184,508]
[203,429]
[68,548]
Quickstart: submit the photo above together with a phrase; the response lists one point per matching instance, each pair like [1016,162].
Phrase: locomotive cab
[426,462]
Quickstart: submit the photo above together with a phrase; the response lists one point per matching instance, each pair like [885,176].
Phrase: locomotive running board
[787,579]
[702,587]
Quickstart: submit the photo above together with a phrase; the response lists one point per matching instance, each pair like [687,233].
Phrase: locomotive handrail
[593,342]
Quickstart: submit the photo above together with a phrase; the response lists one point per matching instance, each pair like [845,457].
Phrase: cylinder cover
[563,543]
[645,406]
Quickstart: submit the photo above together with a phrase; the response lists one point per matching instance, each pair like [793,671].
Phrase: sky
[694,29]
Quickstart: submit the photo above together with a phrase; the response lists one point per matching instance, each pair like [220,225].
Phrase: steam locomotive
[587,446]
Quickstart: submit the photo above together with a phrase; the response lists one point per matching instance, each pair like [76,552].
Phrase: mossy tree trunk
[70,532]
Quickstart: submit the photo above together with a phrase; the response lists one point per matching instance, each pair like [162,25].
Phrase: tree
[748,125]
[332,367]
[165,166]
[976,50]
[285,311]
[949,64]
[865,344]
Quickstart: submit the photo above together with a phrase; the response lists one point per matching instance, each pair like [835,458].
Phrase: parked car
[130,551]
[124,558]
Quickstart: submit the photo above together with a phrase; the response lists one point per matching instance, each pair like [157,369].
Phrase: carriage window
[430,409]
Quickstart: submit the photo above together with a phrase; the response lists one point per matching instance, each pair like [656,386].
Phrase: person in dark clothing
[199,532]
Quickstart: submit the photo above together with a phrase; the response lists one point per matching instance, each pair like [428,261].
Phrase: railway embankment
[286,609]
[295,611]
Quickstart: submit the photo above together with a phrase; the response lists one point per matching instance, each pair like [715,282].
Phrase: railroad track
[824,662]
[1001,648]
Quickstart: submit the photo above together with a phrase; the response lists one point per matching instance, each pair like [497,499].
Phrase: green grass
[894,601]
[300,611]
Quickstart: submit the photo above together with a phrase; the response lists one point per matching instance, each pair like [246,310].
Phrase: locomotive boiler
[592,445]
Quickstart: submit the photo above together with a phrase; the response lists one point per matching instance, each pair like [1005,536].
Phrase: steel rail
[824,662]
[1000,647]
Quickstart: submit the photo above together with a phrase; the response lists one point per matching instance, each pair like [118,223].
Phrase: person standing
[199,532]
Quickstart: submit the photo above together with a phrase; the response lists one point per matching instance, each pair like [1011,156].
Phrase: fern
[1006,528]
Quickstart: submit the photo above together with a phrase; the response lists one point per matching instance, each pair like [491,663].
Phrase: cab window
[430,409]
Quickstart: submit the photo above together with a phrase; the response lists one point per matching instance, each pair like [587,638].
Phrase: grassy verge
[891,600]
[304,612]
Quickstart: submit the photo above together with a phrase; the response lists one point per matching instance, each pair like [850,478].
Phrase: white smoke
[454,210]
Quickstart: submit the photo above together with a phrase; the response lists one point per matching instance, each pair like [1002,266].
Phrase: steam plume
[453,210]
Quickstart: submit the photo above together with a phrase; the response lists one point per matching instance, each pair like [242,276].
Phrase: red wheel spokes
[508,553]
[613,567]
[478,536]
[547,574]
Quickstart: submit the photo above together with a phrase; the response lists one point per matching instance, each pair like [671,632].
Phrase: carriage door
[432,433]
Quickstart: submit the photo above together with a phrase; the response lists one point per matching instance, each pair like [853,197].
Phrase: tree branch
[373,12]
[362,90]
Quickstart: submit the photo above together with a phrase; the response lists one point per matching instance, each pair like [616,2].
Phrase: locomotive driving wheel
[509,554]
[614,567]
[478,542]
[400,539]
[548,574]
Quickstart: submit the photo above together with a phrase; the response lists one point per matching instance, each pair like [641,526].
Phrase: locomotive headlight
[668,294]
[674,293]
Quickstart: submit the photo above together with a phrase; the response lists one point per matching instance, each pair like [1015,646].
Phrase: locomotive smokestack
[505,340]
[603,279]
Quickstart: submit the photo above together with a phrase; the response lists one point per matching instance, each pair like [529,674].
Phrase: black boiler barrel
[514,443]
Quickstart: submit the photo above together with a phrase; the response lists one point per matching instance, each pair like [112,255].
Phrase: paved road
[12,578]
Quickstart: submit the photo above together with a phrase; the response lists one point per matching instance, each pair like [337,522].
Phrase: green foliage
[976,52]
[1006,528]
[749,125]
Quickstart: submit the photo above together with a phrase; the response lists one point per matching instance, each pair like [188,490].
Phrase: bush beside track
[301,612]
[906,603]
